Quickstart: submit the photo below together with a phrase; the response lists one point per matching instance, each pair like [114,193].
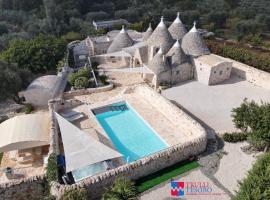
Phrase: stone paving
[213,104]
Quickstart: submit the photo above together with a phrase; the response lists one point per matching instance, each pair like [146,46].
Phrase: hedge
[259,60]
[75,194]
[52,170]
[257,184]
[235,137]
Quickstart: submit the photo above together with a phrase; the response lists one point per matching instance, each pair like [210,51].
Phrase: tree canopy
[38,55]
[12,80]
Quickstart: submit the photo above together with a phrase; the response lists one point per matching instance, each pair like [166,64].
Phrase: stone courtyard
[213,104]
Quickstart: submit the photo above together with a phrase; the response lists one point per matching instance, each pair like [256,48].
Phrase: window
[177,72]
[220,73]
[215,72]
[228,68]
[201,69]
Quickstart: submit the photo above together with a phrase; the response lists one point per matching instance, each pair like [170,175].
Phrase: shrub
[122,189]
[103,79]
[28,108]
[72,36]
[75,194]
[39,55]
[256,141]
[52,170]
[81,82]
[256,184]
[235,137]
[84,72]
[254,120]
[259,60]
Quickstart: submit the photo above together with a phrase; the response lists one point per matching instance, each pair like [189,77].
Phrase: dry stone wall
[251,74]
[33,188]
[73,93]
[96,185]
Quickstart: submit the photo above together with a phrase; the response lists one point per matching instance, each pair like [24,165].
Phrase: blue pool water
[130,134]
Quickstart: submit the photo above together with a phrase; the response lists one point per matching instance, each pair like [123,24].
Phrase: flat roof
[24,131]
[211,59]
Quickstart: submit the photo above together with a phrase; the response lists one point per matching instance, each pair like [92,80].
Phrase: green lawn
[156,178]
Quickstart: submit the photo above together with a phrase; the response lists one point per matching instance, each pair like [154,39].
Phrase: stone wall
[33,188]
[73,93]
[178,117]
[220,73]
[196,144]
[251,74]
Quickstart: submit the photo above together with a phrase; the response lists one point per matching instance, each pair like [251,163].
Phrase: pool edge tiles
[126,128]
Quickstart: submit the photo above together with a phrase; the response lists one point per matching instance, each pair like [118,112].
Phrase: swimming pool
[129,133]
[88,171]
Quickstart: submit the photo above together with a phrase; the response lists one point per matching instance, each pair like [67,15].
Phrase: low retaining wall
[24,189]
[177,116]
[96,185]
[87,91]
[251,74]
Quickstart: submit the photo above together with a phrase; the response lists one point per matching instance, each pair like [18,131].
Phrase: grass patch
[156,178]
[1,156]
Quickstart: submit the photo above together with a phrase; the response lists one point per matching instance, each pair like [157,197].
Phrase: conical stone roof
[161,37]
[193,45]
[177,54]
[177,28]
[159,63]
[148,33]
[122,40]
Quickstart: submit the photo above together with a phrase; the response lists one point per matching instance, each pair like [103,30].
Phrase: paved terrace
[213,104]
[163,126]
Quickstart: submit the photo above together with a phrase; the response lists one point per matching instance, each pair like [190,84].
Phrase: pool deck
[149,113]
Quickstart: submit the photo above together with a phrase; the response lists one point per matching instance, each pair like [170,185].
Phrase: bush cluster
[256,185]
[253,119]
[80,78]
[52,170]
[28,108]
[255,59]
[38,55]
[103,79]
[122,188]
[75,194]
[235,137]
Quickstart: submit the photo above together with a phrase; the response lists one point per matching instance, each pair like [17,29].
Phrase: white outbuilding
[212,69]
[42,89]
